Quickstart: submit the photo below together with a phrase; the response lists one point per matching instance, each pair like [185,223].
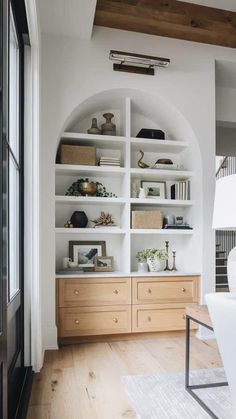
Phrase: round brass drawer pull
[149,318]
[115,320]
[184,289]
[76,321]
[149,291]
[116,292]
[76,292]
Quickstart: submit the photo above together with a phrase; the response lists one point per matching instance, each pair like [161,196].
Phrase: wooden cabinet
[146,290]
[89,321]
[93,306]
[84,292]
[159,302]
[152,318]
[100,306]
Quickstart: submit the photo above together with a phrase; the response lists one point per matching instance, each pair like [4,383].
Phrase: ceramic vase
[142,193]
[155,265]
[94,128]
[142,267]
[108,128]
[79,219]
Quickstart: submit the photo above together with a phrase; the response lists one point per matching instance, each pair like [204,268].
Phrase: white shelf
[162,202]
[73,170]
[93,274]
[154,174]
[125,274]
[124,242]
[162,231]
[98,230]
[161,146]
[99,141]
[164,273]
[62,199]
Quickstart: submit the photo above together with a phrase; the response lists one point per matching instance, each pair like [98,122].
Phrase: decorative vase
[154,264]
[142,267]
[94,128]
[142,194]
[79,219]
[88,188]
[108,128]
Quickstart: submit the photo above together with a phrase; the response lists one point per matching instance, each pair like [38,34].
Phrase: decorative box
[78,154]
[147,219]
[155,134]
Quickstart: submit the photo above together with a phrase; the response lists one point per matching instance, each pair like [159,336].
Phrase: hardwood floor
[84,381]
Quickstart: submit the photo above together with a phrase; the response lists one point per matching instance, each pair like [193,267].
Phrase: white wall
[226,104]
[74,70]
[225,141]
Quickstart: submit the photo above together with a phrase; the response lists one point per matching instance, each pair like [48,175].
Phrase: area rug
[162,396]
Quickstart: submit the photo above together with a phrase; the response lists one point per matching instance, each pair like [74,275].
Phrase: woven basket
[147,219]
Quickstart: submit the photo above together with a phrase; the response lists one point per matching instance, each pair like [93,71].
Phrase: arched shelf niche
[133,110]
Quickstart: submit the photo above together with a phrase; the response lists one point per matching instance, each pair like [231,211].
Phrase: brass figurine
[141,164]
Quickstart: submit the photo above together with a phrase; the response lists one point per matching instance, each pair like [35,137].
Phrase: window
[14,163]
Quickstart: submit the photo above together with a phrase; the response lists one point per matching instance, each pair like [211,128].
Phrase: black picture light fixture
[137,63]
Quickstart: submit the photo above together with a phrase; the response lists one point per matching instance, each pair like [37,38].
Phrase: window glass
[13,90]
[14,233]
[14,167]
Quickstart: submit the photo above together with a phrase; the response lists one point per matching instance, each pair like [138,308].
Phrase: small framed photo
[84,252]
[104,263]
[154,190]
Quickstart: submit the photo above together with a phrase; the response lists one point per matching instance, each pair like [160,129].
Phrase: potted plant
[141,256]
[155,259]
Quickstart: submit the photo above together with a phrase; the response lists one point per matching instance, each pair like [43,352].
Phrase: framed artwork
[154,190]
[84,252]
[104,263]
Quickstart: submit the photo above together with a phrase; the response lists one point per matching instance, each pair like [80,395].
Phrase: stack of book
[109,161]
[180,190]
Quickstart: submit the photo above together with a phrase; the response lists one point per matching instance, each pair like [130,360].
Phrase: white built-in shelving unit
[122,241]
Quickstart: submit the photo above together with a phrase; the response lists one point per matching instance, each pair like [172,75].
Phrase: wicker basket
[147,219]
[77,154]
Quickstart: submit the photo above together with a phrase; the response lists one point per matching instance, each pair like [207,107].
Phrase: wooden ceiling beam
[169,18]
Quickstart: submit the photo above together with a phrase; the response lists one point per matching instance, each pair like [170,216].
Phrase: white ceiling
[219,4]
[67,17]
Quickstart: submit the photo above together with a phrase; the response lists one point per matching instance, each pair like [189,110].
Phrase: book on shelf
[109,161]
[180,190]
[178,227]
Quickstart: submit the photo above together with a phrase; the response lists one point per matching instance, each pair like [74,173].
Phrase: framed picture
[84,252]
[155,190]
[104,263]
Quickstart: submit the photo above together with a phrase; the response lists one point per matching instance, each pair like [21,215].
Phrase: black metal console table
[198,314]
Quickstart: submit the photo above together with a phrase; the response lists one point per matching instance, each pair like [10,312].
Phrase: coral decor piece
[105,219]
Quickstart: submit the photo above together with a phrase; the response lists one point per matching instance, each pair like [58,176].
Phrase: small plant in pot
[156,258]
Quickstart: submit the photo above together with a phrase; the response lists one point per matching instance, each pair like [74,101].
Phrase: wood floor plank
[84,381]
[102,392]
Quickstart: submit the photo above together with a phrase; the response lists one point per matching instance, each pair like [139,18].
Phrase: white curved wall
[75,70]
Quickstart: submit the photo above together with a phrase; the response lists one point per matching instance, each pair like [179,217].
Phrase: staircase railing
[223,165]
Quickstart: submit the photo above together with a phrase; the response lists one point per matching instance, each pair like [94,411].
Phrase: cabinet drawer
[94,321]
[165,290]
[148,318]
[94,292]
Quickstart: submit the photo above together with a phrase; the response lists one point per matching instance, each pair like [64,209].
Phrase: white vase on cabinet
[155,265]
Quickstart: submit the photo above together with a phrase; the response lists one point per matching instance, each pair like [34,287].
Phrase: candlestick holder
[174,269]
[167,268]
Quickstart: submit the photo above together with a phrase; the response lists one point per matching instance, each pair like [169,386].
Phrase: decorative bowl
[88,188]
